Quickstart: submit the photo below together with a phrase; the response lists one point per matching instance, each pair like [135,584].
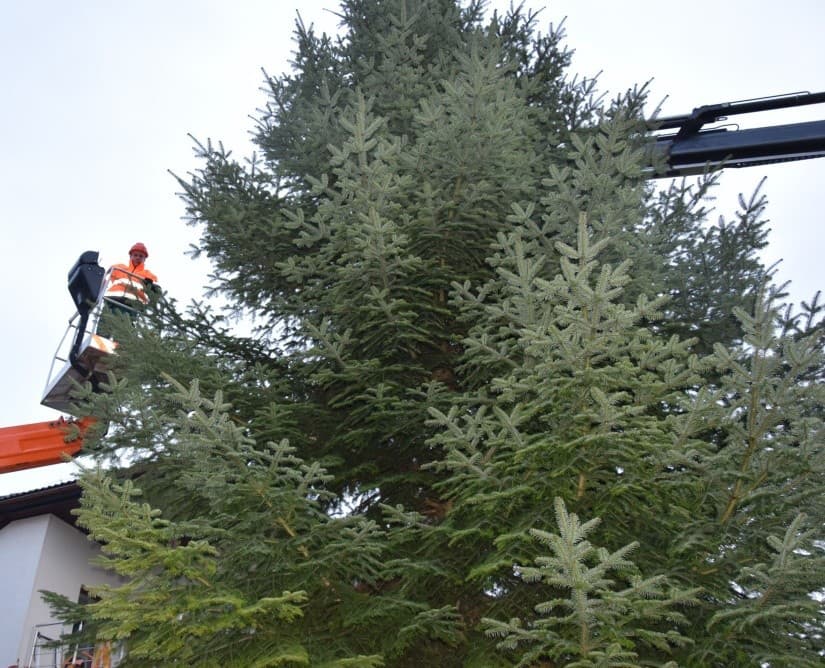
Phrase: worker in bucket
[128,283]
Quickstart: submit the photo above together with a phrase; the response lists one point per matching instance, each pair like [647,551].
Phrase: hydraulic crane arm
[29,445]
[691,149]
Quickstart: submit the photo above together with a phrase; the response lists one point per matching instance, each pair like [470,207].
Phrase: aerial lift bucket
[83,354]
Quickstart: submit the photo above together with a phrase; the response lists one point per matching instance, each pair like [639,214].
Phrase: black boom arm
[691,150]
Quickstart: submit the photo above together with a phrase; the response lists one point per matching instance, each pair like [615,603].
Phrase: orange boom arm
[30,445]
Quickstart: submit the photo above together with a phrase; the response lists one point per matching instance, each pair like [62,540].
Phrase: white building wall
[61,555]
[21,544]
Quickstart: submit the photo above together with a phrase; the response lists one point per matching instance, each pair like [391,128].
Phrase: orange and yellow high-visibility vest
[126,282]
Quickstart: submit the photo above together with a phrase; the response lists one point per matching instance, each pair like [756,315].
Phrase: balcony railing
[48,652]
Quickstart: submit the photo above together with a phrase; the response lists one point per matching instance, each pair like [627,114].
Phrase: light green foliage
[182,605]
[604,609]
[574,405]
[759,487]
[214,586]
[779,597]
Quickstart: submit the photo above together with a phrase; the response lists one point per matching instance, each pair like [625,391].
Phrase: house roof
[58,500]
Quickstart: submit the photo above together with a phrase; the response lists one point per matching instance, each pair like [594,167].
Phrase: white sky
[97,100]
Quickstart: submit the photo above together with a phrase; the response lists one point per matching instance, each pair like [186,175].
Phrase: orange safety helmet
[139,247]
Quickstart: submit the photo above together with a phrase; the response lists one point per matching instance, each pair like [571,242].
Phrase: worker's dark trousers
[113,308]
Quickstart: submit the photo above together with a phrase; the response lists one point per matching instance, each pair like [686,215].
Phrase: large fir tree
[474,322]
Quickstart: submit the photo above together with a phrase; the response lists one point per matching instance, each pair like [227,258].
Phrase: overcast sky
[99,99]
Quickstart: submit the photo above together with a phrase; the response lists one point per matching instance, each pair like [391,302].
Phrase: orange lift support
[41,443]
[82,356]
